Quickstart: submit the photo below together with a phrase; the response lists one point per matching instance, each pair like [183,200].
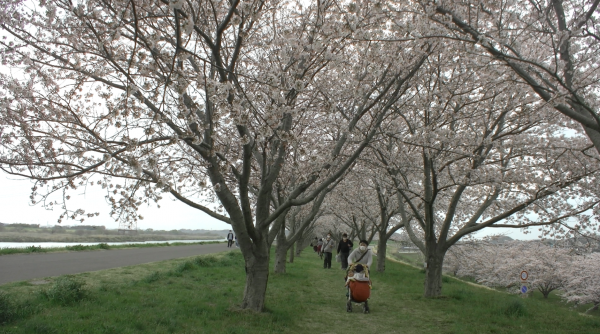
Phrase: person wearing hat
[362,254]
[343,249]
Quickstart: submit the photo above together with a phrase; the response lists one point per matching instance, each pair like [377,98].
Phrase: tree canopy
[457,116]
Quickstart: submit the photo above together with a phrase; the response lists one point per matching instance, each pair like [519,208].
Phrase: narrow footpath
[23,267]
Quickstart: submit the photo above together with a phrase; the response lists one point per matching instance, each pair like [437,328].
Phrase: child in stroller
[359,286]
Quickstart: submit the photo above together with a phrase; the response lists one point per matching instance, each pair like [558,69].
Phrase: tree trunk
[545,293]
[381,251]
[433,273]
[280,257]
[298,248]
[281,251]
[292,252]
[593,308]
[257,276]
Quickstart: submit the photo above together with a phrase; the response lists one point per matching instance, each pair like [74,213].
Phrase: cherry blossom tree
[552,45]
[500,265]
[353,205]
[304,239]
[475,150]
[297,220]
[221,105]
[368,195]
[582,281]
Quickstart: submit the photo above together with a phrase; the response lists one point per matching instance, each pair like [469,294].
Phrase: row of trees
[549,268]
[439,118]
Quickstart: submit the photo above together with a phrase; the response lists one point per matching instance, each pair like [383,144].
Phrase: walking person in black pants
[344,248]
[328,245]
[229,238]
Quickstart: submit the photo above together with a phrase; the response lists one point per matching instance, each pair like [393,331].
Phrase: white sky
[16,208]
[172,215]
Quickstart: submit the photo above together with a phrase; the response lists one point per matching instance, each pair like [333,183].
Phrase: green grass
[201,295]
[34,249]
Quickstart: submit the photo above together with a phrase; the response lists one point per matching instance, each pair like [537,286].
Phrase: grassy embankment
[37,249]
[200,294]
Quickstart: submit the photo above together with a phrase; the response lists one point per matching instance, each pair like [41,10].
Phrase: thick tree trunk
[292,252]
[280,257]
[433,272]
[381,252]
[257,276]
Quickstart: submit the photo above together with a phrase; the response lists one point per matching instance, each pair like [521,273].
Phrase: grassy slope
[200,296]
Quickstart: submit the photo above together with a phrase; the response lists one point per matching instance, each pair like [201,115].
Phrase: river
[64,244]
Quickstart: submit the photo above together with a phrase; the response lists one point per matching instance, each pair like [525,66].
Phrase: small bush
[40,327]
[515,308]
[11,310]
[460,294]
[76,247]
[230,259]
[207,261]
[103,246]
[34,249]
[153,277]
[185,266]
[6,308]
[446,280]
[65,290]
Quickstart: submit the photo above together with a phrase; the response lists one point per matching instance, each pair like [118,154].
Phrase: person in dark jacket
[230,237]
[344,248]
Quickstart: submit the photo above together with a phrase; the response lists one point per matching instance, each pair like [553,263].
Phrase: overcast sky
[16,208]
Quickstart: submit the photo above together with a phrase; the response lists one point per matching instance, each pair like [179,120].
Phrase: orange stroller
[359,286]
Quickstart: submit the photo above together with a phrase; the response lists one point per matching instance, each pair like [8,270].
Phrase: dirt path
[21,267]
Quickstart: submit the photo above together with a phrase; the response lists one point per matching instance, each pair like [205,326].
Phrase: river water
[64,244]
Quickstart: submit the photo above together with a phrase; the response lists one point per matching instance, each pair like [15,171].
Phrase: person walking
[320,248]
[327,249]
[237,244]
[362,254]
[343,249]
[230,238]
[314,244]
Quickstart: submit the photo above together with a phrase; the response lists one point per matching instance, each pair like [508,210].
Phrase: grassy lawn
[201,294]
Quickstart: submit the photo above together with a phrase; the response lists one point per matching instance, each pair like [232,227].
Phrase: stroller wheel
[349,306]
[365,308]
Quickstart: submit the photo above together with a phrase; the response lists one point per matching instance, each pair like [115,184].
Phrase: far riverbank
[29,237]
[97,234]
[7,248]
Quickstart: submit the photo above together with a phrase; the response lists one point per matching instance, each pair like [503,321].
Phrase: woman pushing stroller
[357,277]
[361,255]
